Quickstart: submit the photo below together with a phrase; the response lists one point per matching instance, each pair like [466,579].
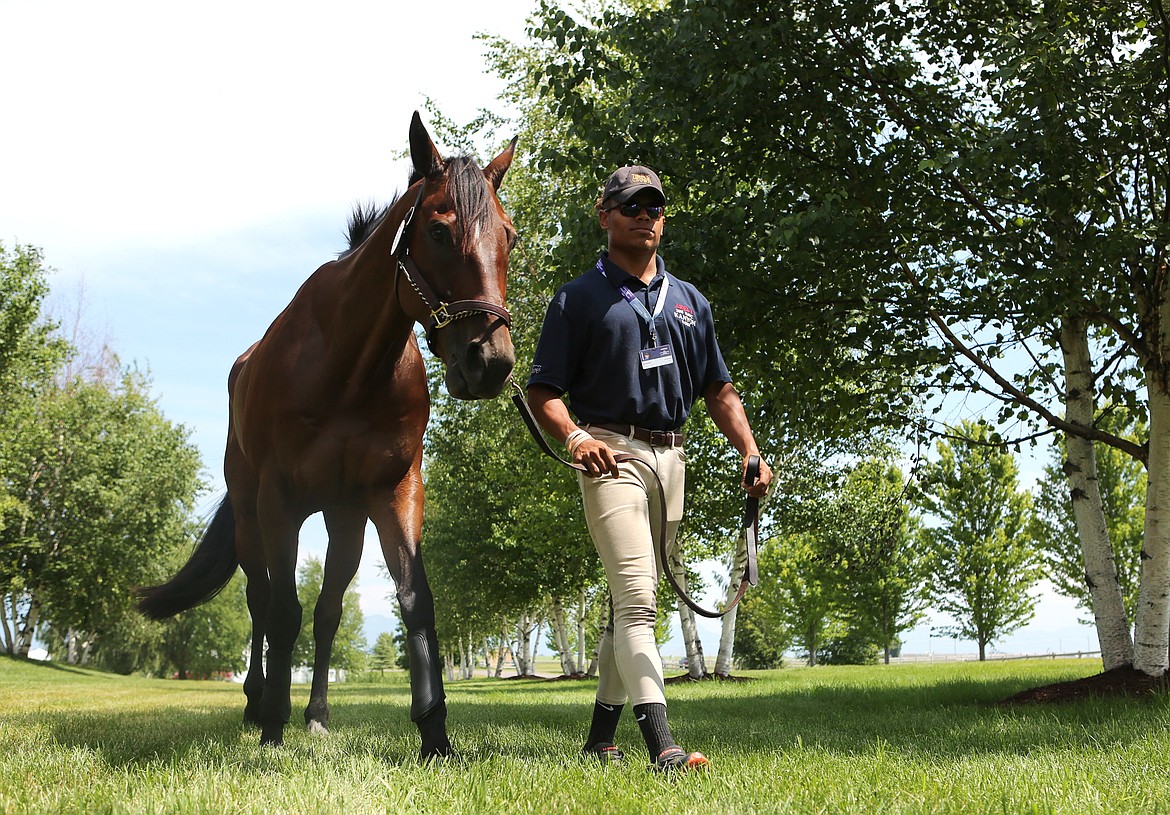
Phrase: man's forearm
[550,412]
[726,409]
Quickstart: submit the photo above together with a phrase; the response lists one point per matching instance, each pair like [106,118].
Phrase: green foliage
[211,638]
[29,354]
[903,198]
[796,588]
[384,654]
[349,646]
[986,563]
[96,485]
[760,638]
[107,484]
[880,572]
[848,582]
[844,645]
[29,351]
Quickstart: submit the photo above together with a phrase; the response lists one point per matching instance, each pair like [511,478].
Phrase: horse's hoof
[440,752]
[272,736]
[318,728]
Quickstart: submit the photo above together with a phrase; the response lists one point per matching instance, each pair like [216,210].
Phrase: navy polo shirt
[591,338]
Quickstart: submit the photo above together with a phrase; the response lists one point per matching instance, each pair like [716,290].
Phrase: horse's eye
[438,233]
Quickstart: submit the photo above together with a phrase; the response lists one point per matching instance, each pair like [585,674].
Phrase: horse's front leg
[346,528]
[399,523]
[279,527]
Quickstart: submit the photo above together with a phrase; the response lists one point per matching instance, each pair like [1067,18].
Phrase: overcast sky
[185,167]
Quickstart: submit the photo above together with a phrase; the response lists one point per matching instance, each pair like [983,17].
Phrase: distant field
[876,739]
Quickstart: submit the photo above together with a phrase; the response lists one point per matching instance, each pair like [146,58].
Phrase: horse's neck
[369,329]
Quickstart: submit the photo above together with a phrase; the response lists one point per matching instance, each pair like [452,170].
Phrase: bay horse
[327,413]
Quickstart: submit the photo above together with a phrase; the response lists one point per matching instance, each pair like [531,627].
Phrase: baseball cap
[626,181]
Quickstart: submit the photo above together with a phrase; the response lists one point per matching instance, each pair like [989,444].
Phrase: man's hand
[596,457]
[760,488]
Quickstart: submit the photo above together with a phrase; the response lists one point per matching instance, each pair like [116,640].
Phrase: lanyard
[637,306]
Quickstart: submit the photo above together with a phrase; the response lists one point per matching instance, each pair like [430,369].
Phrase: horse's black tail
[203,576]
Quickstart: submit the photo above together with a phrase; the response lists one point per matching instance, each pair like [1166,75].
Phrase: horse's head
[453,254]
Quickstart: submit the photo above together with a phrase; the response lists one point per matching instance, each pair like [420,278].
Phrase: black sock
[604,726]
[651,718]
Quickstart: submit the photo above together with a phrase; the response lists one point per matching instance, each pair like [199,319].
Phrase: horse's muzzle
[479,368]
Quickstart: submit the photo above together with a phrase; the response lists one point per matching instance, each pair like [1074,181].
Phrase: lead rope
[751,509]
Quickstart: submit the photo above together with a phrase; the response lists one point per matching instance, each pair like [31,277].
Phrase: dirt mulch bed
[1123,681]
[708,677]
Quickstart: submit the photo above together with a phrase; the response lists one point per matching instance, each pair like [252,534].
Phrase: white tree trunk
[1113,631]
[28,628]
[527,630]
[582,610]
[1152,634]
[561,635]
[727,636]
[9,643]
[593,668]
[696,664]
[505,649]
[523,633]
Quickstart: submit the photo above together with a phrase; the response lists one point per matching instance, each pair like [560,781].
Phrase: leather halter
[441,314]
[751,510]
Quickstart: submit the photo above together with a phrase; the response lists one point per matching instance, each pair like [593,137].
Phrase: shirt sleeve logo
[684,315]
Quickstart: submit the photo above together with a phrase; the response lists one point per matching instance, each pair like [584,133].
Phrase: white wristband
[575,439]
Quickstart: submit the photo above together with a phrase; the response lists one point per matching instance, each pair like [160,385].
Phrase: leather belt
[655,438]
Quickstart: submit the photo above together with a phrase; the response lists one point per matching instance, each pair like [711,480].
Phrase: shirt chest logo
[684,315]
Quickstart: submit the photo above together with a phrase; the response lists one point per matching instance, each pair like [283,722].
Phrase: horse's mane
[465,184]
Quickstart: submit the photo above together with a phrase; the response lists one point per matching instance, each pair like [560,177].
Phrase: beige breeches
[624,518]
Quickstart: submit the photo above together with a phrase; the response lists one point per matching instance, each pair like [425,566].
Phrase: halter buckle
[441,317]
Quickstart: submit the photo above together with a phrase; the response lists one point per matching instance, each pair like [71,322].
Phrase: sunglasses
[653,211]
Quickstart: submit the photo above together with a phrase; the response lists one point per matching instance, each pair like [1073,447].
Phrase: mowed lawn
[921,738]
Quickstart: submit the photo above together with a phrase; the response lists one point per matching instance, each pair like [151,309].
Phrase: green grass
[914,738]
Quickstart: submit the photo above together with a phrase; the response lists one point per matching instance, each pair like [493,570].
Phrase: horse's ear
[426,158]
[500,164]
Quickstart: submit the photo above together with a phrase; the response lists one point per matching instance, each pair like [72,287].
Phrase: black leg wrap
[426,678]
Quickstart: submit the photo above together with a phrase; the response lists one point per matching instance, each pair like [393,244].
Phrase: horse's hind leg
[242,491]
[257,575]
[346,529]
[279,526]
[399,523]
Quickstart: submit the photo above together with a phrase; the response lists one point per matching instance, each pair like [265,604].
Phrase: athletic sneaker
[605,752]
[674,759]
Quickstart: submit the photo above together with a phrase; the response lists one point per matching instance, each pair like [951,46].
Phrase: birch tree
[914,199]
[1121,481]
